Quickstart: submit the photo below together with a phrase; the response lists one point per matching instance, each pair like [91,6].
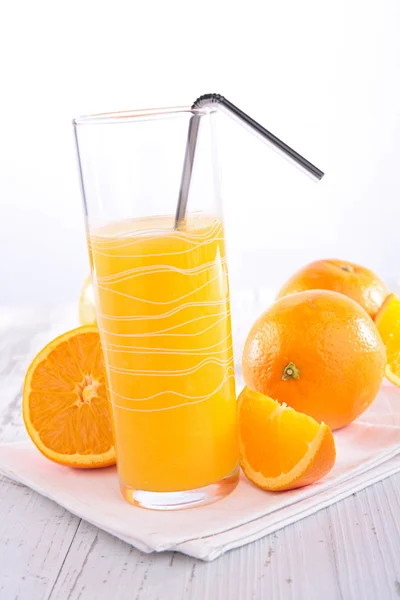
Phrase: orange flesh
[281,448]
[65,402]
[388,323]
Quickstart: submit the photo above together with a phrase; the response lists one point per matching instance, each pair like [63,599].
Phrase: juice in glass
[164,319]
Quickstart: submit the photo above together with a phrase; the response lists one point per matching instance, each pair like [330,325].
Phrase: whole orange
[341,276]
[320,353]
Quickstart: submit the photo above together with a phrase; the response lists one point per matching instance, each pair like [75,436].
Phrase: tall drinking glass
[162,304]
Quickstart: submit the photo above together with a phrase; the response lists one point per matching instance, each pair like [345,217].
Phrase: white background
[323,76]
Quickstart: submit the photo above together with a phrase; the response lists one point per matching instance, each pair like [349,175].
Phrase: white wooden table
[349,551]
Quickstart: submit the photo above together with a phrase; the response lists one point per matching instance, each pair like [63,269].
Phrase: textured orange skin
[358,283]
[320,466]
[334,345]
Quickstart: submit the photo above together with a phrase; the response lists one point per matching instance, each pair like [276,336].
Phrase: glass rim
[146,114]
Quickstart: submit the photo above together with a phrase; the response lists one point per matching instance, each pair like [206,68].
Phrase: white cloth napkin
[367,451]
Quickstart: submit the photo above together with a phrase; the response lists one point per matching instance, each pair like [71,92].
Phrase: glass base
[179,500]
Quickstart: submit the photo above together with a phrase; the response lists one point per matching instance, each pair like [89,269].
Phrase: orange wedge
[65,405]
[280,448]
[388,323]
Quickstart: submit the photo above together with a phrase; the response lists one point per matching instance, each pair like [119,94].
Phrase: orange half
[280,448]
[388,323]
[65,405]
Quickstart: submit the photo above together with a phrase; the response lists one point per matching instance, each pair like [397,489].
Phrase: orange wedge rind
[280,448]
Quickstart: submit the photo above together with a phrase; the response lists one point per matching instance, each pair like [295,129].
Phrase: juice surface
[164,318]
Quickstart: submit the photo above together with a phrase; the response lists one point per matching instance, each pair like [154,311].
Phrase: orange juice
[164,318]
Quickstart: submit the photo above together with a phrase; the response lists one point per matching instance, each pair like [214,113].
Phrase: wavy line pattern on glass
[180,353]
[143,271]
[229,371]
[162,315]
[161,332]
[221,239]
[169,372]
[165,325]
[134,235]
[122,348]
[189,402]
[131,297]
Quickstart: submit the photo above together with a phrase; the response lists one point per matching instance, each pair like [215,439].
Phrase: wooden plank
[35,533]
[341,552]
